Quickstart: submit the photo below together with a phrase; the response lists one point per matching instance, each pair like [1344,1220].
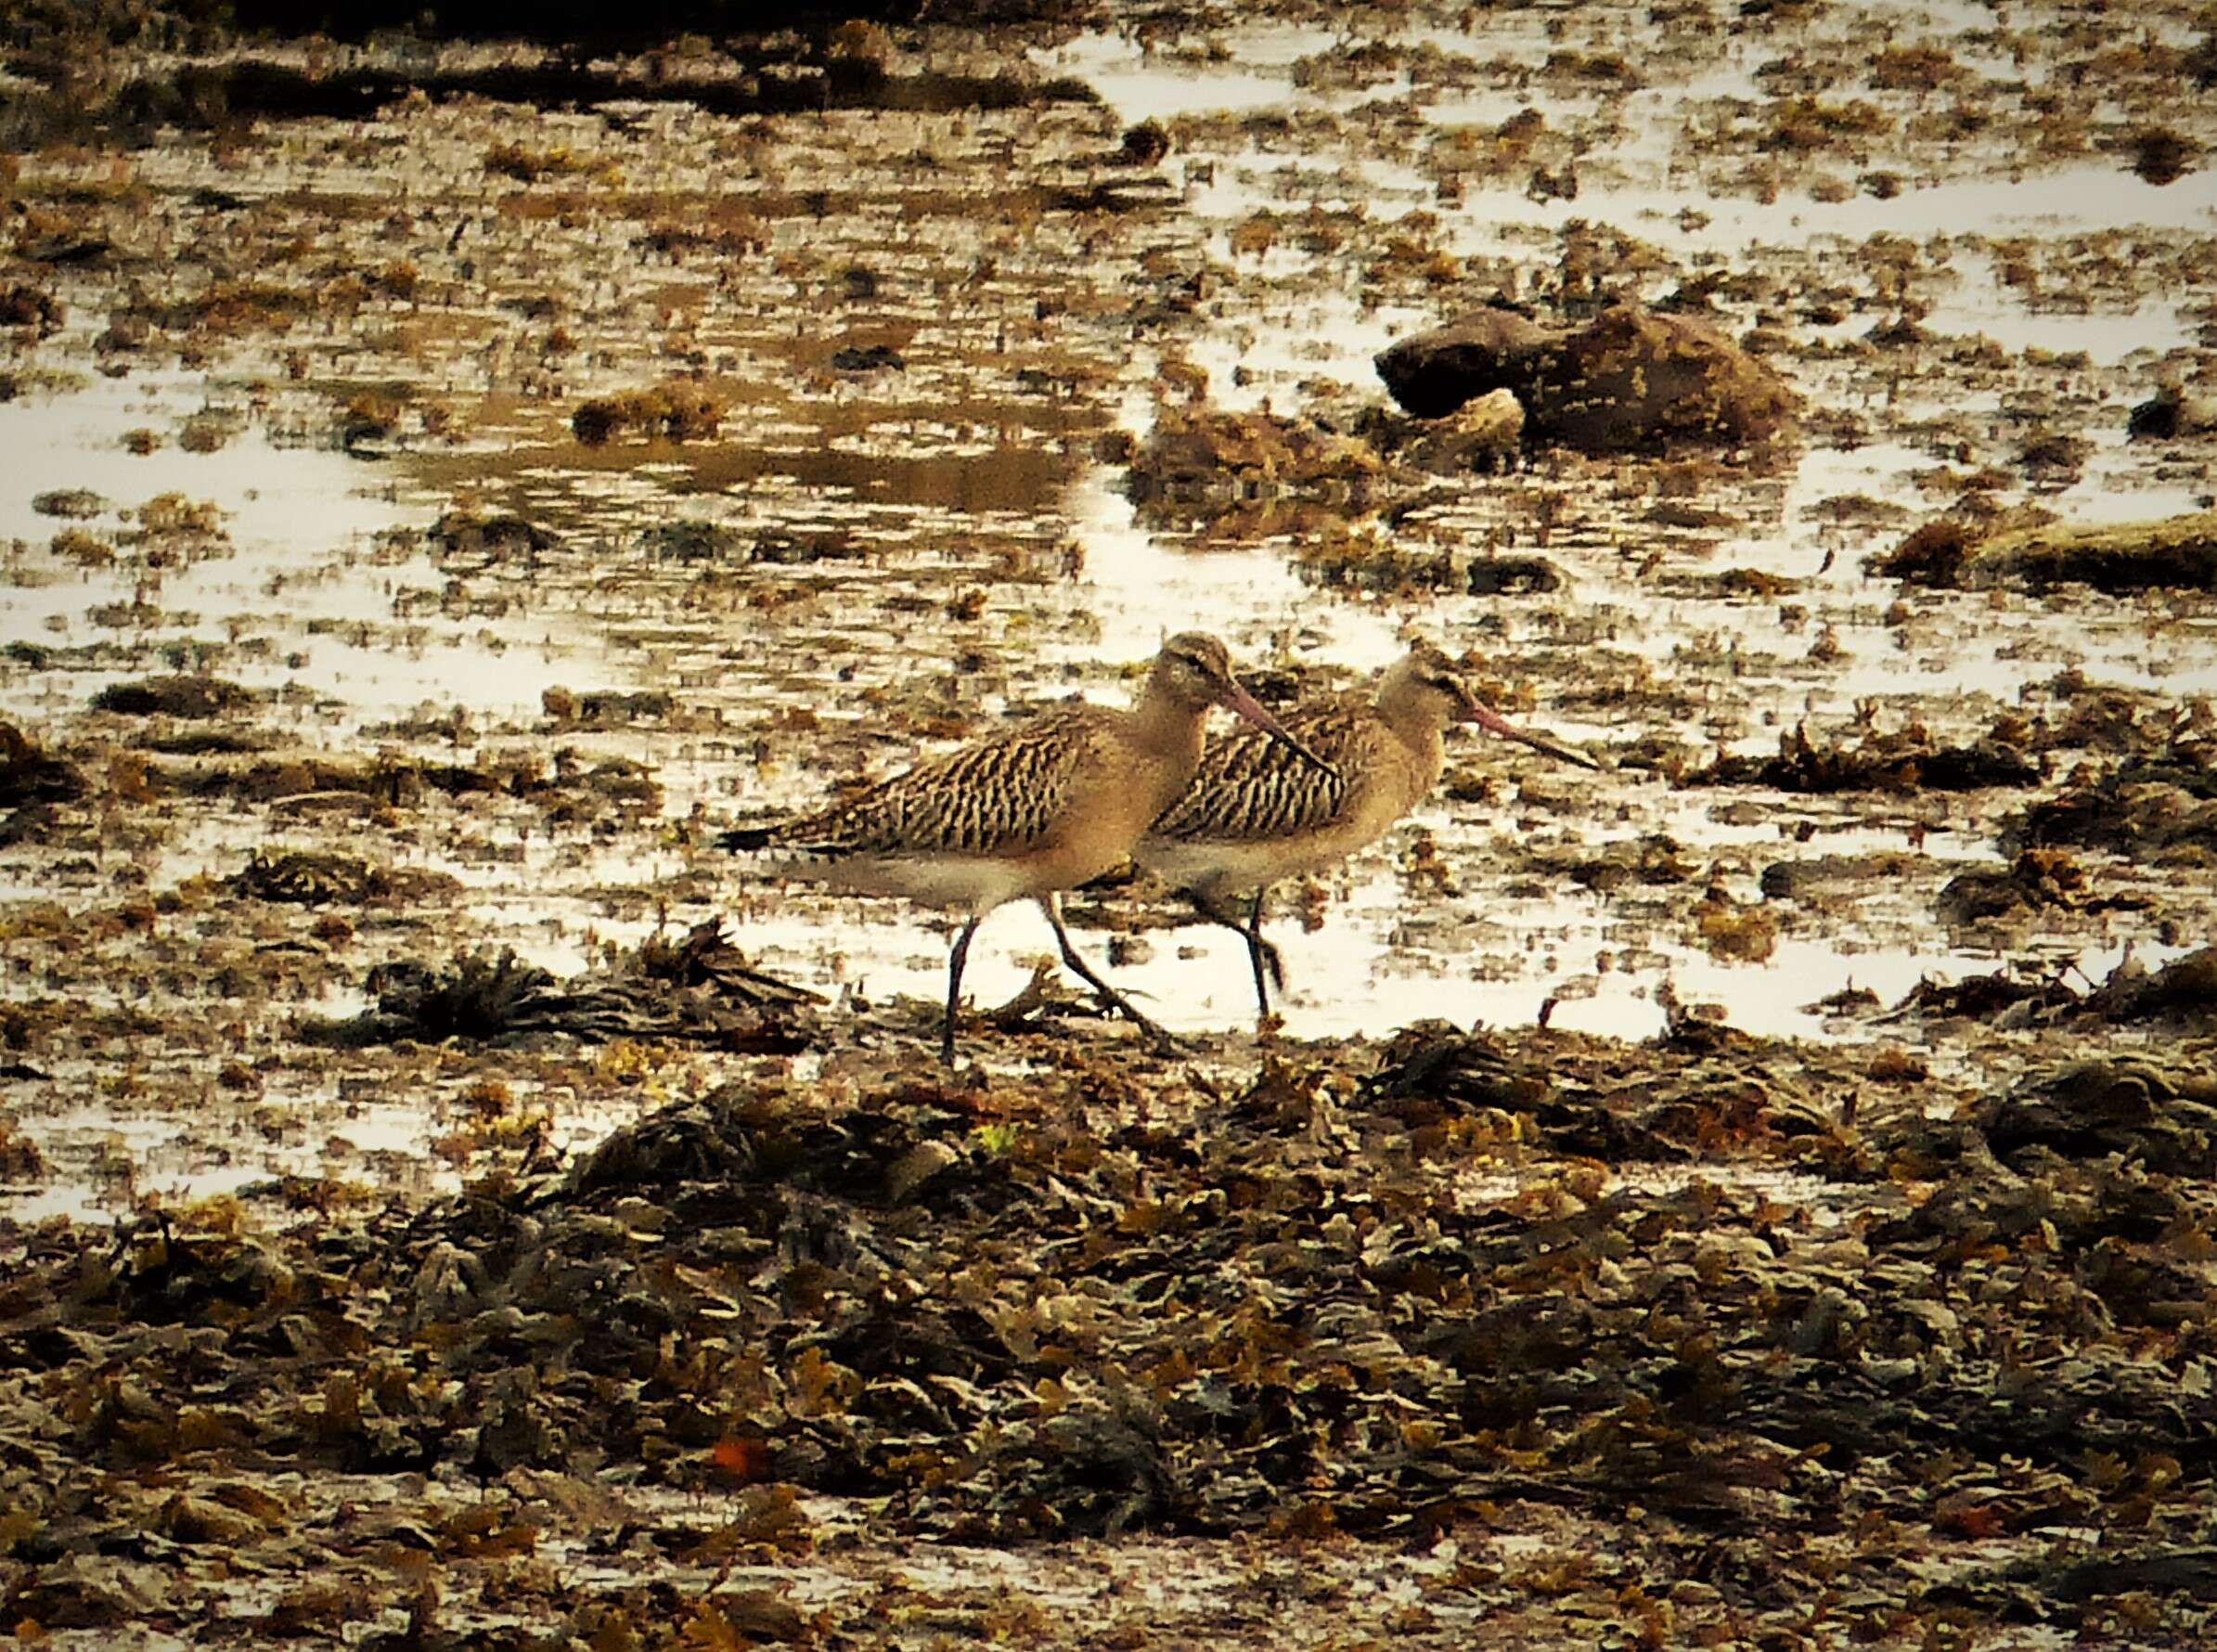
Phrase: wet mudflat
[1755,1195]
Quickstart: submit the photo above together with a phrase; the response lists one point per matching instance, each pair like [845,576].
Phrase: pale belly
[966,882]
[1224,866]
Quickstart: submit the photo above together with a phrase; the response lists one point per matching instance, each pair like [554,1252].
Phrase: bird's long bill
[1494,723]
[1244,705]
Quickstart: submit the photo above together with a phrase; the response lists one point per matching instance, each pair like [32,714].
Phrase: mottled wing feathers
[1250,788]
[999,795]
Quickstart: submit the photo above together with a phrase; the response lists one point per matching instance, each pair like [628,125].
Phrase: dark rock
[1431,374]
[1630,379]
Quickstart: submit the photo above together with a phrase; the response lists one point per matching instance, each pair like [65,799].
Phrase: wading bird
[1025,813]
[1250,818]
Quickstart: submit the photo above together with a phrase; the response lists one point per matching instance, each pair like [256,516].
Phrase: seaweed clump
[676,410]
[180,696]
[1906,760]
[1201,459]
[30,774]
[2177,554]
[2161,810]
[320,877]
[1933,554]
[701,989]
[2037,880]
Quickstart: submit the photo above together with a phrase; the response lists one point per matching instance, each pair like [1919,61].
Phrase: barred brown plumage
[1025,813]
[1249,818]
[992,798]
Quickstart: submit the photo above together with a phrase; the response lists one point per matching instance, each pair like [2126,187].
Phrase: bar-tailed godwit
[1250,818]
[1023,814]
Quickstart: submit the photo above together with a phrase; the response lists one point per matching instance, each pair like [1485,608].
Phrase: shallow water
[339,610]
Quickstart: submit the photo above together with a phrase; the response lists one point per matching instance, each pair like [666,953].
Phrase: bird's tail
[746,838]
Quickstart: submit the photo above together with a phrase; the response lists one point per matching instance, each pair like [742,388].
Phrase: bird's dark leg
[1260,952]
[1270,969]
[955,961]
[1052,906]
